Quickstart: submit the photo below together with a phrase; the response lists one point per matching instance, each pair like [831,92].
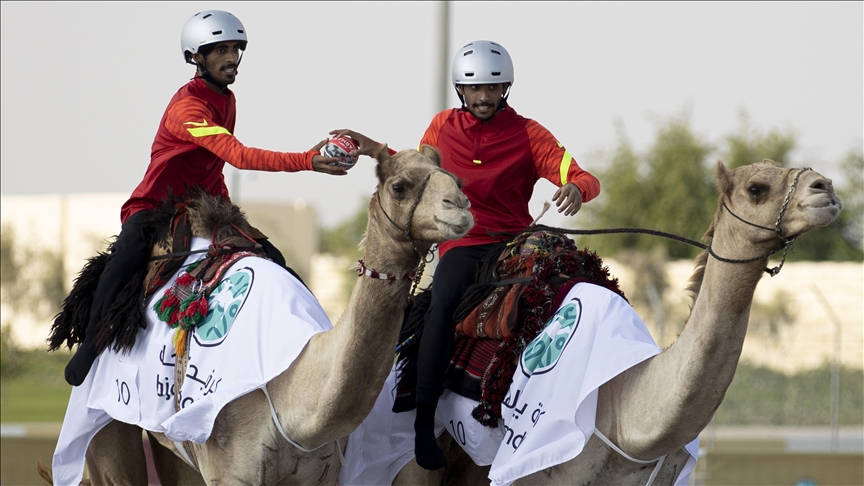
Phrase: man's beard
[220,76]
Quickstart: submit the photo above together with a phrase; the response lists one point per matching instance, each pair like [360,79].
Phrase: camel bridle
[416,274]
[407,229]
[785,243]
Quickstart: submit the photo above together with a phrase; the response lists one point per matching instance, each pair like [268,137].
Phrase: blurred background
[647,96]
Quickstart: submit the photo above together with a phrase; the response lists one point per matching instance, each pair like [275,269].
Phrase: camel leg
[116,456]
[460,468]
[412,474]
[171,470]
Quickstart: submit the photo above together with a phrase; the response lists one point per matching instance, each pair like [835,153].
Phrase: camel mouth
[455,230]
[824,202]
[823,211]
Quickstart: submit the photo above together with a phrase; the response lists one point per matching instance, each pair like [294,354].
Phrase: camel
[331,386]
[653,409]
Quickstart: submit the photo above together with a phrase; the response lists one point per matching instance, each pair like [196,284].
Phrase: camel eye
[755,190]
[398,189]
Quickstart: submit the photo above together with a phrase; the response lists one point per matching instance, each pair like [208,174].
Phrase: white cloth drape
[260,319]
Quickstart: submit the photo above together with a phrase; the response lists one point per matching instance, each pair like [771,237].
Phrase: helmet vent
[495,52]
[208,15]
[468,52]
[496,73]
[469,75]
[241,31]
[216,32]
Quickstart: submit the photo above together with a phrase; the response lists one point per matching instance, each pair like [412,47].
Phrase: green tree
[681,188]
[668,189]
[344,238]
[621,200]
[31,280]
[748,145]
[852,193]
[13,287]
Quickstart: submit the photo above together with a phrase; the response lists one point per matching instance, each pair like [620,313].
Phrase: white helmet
[482,62]
[210,27]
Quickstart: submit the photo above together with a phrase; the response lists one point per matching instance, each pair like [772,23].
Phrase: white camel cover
[549,412]
[260,318]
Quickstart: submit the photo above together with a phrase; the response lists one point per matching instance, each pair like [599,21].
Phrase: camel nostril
[820,185]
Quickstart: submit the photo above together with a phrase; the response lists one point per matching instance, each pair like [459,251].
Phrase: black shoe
[426,451]
[80,364]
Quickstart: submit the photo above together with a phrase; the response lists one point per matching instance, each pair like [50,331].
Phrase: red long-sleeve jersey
[192,144]
[499,161]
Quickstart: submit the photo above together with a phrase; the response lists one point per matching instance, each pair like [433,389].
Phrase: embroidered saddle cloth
[259,320]
[523,287]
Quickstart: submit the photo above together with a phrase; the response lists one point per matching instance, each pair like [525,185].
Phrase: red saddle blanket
[531,276]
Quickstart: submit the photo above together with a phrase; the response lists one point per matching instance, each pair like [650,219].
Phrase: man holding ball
[192,144]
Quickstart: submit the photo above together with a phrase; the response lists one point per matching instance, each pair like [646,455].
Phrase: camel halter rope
[785,245]
[416,274]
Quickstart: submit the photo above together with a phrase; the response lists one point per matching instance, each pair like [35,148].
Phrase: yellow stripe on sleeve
[207,131]
[565,166]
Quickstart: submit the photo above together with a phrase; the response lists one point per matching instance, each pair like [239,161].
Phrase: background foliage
[671,188]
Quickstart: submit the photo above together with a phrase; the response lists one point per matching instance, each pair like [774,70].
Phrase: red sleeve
[431,135]
[189,119]
[555,163]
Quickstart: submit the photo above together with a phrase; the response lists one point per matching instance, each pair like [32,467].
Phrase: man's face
[222,61]
[482,100]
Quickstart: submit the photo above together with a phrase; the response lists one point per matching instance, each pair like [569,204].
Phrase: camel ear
[432,153]
[383,157]
[724,179]
[383,154]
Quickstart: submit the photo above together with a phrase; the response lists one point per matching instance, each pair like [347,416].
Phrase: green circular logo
[224,304]
[543,353]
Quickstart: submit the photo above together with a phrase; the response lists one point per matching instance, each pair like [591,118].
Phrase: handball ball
[340,147]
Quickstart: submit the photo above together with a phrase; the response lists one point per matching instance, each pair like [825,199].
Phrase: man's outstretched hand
[324,164]
[568,199]
[365,145]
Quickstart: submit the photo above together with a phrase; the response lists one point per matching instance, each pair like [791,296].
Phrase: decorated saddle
[125,316]
[519,285]
[218,322]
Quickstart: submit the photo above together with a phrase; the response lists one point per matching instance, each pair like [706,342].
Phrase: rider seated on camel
[192,144]
[498,155]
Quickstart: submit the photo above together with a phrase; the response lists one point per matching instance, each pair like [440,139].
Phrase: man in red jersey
[499,156]
[192,145]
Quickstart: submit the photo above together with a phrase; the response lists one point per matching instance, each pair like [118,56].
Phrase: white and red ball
[340,147]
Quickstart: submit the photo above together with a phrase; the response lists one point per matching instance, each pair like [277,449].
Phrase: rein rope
[785,245]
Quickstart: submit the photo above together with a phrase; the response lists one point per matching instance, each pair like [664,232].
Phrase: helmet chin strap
[205,74]
[501,105]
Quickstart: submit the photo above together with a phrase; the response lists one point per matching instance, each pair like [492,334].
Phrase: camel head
[417,203]
[753,198]
[758,193]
